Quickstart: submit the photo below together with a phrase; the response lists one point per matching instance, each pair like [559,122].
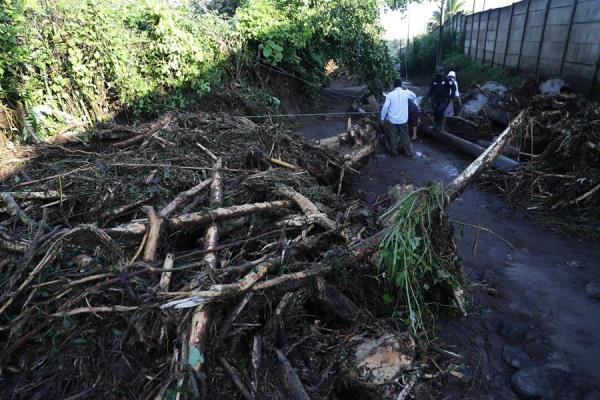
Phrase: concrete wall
[546,37]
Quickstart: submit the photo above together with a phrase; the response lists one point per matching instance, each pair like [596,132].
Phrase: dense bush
[80,60]
[85,58]
[301,36]
[422,50]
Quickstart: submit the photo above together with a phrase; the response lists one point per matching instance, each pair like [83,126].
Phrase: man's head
[398,83]
[439,70]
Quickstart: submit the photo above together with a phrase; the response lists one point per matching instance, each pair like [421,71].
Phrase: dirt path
[531,296]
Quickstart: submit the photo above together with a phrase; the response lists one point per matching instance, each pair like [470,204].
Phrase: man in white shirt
[395,110]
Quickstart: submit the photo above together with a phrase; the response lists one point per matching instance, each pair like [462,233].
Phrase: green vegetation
[470,73]
[451,8]
[423,49]
[301,37]
[79,61]
[419,258]
[422,53]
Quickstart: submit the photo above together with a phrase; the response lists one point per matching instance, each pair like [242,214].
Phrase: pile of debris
[197,255]
[559,141]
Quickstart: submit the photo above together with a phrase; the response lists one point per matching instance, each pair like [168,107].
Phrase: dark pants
[438,108]
[400,139]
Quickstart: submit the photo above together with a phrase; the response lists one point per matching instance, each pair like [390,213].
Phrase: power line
[284,72]
[364,113]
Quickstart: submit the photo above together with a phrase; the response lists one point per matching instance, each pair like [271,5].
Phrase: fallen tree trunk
[12,246]
[154,127]
[219,292]
[50,194]
[453,190]
[333,141]
[485,159]
[211,237]
[359,156]
[291,384]
[501,162]
[13,209]
[509,151]
[201,315]
[197,219]
[151,245]
[311,210]
[183,196]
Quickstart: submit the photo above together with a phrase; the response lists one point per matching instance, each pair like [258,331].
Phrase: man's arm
[431,89]
[385,108]
[411,94]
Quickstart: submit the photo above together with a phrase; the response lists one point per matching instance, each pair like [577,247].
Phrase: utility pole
[408,43]
[440,48]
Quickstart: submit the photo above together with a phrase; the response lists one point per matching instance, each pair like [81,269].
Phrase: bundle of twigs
[560,133]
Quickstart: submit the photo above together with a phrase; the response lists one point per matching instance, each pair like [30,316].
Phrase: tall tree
[451,8]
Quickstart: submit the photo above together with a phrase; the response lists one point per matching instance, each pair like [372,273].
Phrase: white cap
[452,74]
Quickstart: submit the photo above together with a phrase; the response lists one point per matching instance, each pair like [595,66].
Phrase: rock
[512,329]
[494,87]
[595,395]
[379,360]
[474,104]
[593,289]
[461,376]
[558,360]
[495,109]
[551,86]
[515,357]
[531,383]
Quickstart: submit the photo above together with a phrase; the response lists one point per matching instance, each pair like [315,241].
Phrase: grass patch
[420,259]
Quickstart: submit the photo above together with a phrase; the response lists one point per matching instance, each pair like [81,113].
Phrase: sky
[396,26]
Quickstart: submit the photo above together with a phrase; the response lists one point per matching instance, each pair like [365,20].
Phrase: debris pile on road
[560,172]
[196,255]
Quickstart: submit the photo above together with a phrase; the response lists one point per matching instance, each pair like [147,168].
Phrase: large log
[357,157]
[311,210]
[509,151]
[453,190]
[201,314]
[225,291]
[290,382]
[154,127]
[183,196]
[202,218]
[485,159]
[155,223]
[500,162]
[211,237]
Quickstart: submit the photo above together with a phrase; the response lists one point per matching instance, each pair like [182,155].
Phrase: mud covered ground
[528,283]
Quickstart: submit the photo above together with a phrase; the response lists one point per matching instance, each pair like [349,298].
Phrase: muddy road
[528,287]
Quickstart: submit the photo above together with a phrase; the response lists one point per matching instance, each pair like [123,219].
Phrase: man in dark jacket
[440,93]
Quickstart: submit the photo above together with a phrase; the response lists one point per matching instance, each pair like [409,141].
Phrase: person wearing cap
[440,93]
[449,112]
[395,110]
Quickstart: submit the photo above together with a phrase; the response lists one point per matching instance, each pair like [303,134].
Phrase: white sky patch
[413,21]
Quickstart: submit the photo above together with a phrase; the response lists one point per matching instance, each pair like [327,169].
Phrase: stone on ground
[532,384]
[551,86]
[380,360]
[515,357]
[593,289]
